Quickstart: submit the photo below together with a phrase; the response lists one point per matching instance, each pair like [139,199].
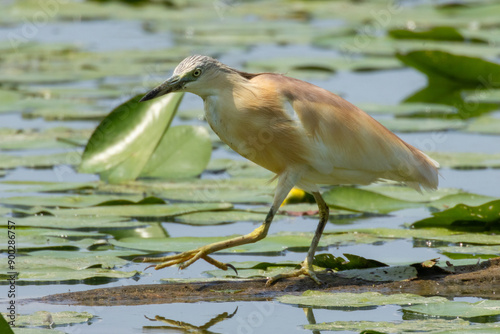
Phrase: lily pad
[143,210]
[47,186]
[436,326]
[386,274]
[360,200]
[123,142]
[454,309]
[184,151]
[410,109]
[221,217]
[485,217]
[422,124]
[45,318]
[66,201]
[49,138]
[81,223]
[444,64]
[485,125]
[39,161]
[355,300]
[466,160]
[58,274]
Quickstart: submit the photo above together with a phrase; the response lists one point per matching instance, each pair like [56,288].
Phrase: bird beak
[171,85]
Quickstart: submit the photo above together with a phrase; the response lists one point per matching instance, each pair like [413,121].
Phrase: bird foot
[186,259]
[306,269]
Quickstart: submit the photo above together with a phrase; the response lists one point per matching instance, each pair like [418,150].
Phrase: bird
[306,135]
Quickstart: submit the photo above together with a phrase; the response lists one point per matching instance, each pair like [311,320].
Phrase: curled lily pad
[123,142]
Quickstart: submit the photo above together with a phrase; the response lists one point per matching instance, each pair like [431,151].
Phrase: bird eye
[197,72]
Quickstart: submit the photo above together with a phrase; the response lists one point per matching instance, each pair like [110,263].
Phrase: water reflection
[184,327]
[311,319]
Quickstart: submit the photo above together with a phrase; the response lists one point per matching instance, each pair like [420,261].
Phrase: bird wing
[345,139]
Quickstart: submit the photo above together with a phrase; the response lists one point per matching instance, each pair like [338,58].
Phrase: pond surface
[119,32]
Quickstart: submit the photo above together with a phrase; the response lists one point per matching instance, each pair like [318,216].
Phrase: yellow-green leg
[306,266]
[185,259]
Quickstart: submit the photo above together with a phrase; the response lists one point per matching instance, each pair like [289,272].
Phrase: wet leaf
[458,309]
[386,274]
[485,216]
[123,142]
[221,217]
[409,109]
[466,160]
[143,210]
[58,274]
[8,161]
[435,33]
[356,199]
[32,139]
[184,151]
[422,124]
[440,326]
[67,201]
[46,186]
[485,125]
[45,318]
[329,261]
[79,222]
[441,64]
[351,300]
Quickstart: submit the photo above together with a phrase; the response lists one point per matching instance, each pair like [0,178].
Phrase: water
[385,87]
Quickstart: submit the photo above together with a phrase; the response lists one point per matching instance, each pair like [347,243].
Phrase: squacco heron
[303,133]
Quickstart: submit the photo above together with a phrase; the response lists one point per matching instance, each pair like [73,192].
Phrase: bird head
[193,75]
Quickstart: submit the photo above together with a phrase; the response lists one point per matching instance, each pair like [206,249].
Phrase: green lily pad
[83,223]
[329,65]
[475,250]
[123,142]
[57,274]
[66,201]
[410,109]
[485,216]
[39,161]
[45,318]
[45,186]
[481,308]
[435,33]
[485,125]
[482,96]
[409,194]
[386,274]
[360,200]
[422,124]
[69,259]
[220,217]
[11,139]
[356,300]
[466,160]
[449,201]
[437,326]
[143,210]
[444,64]
[184,151]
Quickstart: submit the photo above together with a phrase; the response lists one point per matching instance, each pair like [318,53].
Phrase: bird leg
[185,259]
[189,257]
[307,265]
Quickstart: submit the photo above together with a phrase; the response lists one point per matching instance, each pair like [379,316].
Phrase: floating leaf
[123,142]
[443,64]
[57,274]
[142,210]
[485,125]
[356,199]
[71,201]
[388,274]
[410,109]
[454,309]
[422,124]
[435,33]
[45,318]
[466,160]
[484,217]
[184,151]
[437,326]
[221,217]
[341,300]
